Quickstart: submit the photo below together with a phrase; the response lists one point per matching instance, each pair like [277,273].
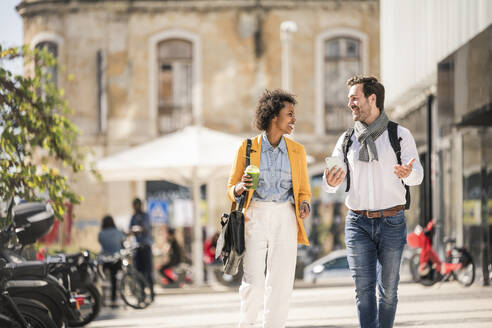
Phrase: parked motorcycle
[79,275]
[31,221]
[180,274]
[17,312]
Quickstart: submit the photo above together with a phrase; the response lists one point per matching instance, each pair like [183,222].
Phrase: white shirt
[373,185]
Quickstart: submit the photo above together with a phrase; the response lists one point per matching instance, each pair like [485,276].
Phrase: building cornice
[33,7]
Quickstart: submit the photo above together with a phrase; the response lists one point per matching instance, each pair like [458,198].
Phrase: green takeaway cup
[254,173]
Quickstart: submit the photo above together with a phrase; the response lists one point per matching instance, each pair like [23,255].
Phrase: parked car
[332,265]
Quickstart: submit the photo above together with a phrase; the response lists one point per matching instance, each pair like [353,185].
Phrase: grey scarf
[366,135]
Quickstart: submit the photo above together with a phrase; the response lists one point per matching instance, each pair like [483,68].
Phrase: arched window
[52,48]
[340,53]
[175,84]
[341,60]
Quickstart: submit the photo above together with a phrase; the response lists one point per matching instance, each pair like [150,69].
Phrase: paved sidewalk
[444,305]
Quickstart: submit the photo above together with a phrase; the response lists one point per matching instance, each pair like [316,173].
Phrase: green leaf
[37,138]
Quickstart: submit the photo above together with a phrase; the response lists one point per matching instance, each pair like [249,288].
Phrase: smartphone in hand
[332,161]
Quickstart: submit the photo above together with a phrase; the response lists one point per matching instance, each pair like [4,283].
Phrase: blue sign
[157,210]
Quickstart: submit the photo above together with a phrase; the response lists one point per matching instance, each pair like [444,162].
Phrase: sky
[11,32]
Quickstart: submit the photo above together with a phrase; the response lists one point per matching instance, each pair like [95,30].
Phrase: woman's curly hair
[269,106]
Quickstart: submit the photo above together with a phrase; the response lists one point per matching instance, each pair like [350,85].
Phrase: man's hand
[403,171]
[242,185]
[304,210]
[334,176]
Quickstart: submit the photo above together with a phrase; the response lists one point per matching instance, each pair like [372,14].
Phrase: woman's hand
[304,210]
[242,185]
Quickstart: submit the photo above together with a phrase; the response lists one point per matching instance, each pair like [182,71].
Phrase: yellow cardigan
[298,167]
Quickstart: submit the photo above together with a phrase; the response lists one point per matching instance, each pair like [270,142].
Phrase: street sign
[158,211]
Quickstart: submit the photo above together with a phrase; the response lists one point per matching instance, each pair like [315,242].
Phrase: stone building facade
[147,68]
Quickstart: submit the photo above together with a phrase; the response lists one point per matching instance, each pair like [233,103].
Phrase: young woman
[111,240]
[274,211]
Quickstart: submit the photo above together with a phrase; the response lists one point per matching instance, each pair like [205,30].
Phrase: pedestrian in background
[111,240]
[375,228]
[274,211]
[174,256]
[142,229]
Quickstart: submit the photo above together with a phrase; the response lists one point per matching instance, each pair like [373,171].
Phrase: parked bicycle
[458,265]
[133,288]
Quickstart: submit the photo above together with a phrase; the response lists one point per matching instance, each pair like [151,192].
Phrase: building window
[51,71]
[342,59]
[175,83]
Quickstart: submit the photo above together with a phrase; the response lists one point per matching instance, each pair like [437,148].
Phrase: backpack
[395,144]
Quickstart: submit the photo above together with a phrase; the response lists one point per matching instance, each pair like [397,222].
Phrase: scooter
[458,264]
[31,221]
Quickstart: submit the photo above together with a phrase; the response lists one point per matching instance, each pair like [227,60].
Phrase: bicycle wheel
[413,266]
[35,316]
[466,275]
[92,304]
[135,290]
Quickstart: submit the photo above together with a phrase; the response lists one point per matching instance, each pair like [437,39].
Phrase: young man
[142,229]
[375,229]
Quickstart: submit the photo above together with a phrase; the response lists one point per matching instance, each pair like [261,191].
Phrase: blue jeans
[374,250]
[144,263]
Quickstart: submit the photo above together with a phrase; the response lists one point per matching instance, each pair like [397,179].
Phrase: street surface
[328,306]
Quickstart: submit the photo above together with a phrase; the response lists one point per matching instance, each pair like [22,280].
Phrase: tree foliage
[38,143]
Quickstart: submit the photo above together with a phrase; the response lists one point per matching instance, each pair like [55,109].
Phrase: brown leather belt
[378,214]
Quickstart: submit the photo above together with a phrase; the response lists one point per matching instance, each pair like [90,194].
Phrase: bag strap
[248,160]
[395,144]
[347,142]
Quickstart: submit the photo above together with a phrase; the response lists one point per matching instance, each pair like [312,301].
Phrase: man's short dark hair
[137,202]
[269,106]
[370,85]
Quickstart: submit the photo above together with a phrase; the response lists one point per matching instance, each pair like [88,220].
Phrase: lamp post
[286,30]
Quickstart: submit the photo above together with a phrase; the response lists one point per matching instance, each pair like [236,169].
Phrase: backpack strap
[394,140]
[395,144]
[248,159]
[347,142]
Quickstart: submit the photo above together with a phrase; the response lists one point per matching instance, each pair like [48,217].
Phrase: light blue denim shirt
[110,240]
[275,184]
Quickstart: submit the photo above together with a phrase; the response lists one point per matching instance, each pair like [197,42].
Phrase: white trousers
[272,229]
